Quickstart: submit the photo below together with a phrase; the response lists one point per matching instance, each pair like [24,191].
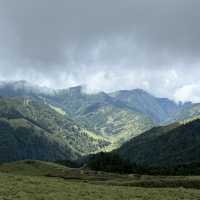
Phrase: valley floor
[19,187]
[38,180]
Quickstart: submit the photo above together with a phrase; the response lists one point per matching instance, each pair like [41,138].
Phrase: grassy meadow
[35,180]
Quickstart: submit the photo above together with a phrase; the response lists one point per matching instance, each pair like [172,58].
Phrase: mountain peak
[127,93]
[140,91]
[77,90]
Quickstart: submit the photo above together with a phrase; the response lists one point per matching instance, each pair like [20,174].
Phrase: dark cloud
[138,43]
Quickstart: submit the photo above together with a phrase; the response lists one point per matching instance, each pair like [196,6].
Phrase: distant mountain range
[46,124]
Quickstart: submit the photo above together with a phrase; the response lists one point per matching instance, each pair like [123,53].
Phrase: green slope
[165,146]
[119,115]
[28,141]
[118,124]
[116,117]
[33,168]
[172,149]
[28,126]
[102,114]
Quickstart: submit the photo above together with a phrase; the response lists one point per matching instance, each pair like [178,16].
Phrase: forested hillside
[32,129]
[165,146]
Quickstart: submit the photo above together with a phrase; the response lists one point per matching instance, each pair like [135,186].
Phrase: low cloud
[188,93]
[105,45]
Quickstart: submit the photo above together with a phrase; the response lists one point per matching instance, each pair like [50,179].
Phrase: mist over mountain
[17,88]
[100,99]
[73,43]
[76,100]
[67,124]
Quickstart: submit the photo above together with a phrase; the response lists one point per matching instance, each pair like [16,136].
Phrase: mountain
[31,129]
[166,150]
[171,145]
[102,114]
[117,116]
[38,123]
[188,113]
[158,109]
[118,124]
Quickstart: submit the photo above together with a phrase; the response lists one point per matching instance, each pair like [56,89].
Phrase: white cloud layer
[188,92]
[105,45]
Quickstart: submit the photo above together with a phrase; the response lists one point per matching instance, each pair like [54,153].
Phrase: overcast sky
[103,44]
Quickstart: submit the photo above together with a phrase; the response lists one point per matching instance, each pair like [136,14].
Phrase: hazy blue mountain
[158,109]
[187,113]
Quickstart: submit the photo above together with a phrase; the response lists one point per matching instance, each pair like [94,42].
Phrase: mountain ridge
[165,146]
[89,123]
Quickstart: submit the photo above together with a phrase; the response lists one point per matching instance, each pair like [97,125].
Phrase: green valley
[32,129]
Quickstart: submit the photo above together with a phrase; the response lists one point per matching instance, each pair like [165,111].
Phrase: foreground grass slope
[37,188]
[36,180]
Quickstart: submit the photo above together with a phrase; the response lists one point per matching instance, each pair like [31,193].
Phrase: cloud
[188,93]
[106,45]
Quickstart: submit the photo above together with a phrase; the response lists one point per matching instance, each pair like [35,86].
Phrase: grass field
[34,181]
